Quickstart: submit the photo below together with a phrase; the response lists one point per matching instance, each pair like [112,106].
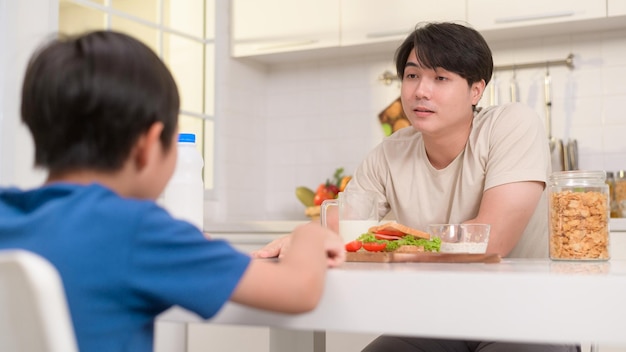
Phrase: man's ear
[148,146]
[477,90]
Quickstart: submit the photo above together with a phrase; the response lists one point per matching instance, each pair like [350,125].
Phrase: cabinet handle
[539,16]
[385,34]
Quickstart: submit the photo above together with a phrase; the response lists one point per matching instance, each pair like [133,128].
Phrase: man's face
[436,101]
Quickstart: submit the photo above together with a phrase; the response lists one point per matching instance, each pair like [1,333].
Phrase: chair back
[33,310]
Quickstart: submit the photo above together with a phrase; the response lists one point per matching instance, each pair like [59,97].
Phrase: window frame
[207,143]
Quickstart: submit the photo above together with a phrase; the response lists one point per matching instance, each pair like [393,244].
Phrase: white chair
[33,309]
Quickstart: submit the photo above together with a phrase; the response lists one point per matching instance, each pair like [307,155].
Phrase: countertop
[617,225]
[286,226]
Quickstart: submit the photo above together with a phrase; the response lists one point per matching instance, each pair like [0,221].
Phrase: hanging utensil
[572,154]
[563,158]
[514,88]
[547,83]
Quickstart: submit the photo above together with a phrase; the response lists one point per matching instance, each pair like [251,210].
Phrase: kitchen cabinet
[273,31]
[370,21]
[275,26]
[496,14]
[616,8]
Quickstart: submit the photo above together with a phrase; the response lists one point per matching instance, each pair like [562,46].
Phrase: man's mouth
[422,109]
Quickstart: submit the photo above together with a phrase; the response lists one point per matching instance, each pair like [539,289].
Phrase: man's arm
[508,208]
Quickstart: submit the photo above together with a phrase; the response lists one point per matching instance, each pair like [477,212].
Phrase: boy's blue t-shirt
[122,261]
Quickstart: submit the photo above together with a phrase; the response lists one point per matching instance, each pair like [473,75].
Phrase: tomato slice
[374,246]
[386,237]
[390,233]
[353,246]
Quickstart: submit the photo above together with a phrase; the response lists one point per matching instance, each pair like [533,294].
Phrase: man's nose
[423,89]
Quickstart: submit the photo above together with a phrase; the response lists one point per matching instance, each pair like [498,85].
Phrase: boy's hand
[276,248]
[333,244]
[335,250]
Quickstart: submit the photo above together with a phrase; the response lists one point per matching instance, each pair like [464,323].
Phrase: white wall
[287,125]
[23,26]
[319,115]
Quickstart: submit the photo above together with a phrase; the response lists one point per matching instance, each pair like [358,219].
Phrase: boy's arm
[278,247]
[295,283]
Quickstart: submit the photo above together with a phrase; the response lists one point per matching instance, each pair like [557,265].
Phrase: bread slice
[409,249]
[399,227]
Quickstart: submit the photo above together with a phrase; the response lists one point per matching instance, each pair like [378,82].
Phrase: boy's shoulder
[76,198]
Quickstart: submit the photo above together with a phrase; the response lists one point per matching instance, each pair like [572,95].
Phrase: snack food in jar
[579,212]
[614,205]
[619,191]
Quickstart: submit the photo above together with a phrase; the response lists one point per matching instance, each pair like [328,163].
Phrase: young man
[458,163]
[102,109]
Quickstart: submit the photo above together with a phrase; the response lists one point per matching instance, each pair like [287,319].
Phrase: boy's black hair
[87,99]
[453,47]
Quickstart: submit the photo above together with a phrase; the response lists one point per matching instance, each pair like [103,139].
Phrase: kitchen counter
[285,226]
[617,225]
[248,236]
[277,226]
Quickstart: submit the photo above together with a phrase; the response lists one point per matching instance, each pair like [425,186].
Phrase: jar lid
[578,175]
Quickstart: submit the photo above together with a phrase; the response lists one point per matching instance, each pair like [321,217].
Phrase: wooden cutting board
[424,257]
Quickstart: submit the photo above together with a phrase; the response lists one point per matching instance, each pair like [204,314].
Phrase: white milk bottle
[184,194]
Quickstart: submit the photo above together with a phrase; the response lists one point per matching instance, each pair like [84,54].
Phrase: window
[182,33]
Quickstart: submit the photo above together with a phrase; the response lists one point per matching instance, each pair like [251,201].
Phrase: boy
[102,109]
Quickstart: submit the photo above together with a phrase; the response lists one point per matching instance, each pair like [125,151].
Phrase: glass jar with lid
[579,213]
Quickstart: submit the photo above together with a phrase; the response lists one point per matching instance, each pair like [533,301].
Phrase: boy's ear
[148,146]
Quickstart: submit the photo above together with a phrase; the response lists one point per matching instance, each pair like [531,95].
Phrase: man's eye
[410,75]
[441,78]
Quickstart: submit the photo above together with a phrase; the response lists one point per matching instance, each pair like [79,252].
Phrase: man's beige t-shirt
[507,144]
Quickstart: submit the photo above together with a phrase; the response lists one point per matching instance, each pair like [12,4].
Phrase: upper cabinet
[495,14]
[279,30]
[616,7]
[370,21]
[274,26]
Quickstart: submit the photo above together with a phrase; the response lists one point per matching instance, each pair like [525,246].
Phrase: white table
[517,300]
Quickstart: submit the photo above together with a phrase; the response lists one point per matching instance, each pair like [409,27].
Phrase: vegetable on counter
[354,246]
[327,190]
[305,196]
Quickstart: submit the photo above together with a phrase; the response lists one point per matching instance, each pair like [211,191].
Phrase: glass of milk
[358,211]
[461,238]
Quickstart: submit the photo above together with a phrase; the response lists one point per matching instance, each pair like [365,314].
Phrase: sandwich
[394,237]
